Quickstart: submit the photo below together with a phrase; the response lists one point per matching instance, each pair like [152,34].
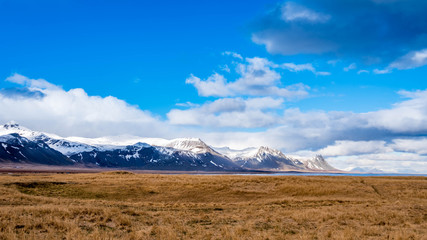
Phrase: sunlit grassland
[151,206]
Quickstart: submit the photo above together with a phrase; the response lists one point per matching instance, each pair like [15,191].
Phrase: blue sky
[345,79]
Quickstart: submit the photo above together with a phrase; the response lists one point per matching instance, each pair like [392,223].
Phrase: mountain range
[21,145]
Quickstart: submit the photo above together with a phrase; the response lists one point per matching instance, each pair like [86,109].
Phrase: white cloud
[187,104]
[409,116]
[362,71]
[394,162]
[398,155]
[215,85]
[303,67]
[350,67]
[294,12]
[229,112]
[225,68]
[257,72]
[411,60]
[380,139]
[333,62]
[74,112]
[31,83]
[342,148]
[299,67]
[382,71]
[323,73]
[415,145]
[258,77]
[295,130]
[233,54]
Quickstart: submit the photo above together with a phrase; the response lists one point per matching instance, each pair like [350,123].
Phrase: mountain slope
[17,149]
[176,154]
[22,145]
[144,156]
[272,159]
[318,163]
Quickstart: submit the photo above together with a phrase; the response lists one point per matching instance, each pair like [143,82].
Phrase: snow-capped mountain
[58,143]
[194,145]
[18,149]
[12,127]
[19,144]
[317,163]
[177,154]
[272,159]
[145,156]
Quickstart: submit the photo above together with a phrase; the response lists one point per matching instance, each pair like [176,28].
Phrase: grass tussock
[123,205]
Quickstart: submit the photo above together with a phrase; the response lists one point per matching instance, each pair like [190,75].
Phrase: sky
[341,78]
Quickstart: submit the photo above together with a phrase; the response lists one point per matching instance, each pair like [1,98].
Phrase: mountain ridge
[153,154]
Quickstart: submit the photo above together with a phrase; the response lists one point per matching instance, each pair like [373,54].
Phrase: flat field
[121,205]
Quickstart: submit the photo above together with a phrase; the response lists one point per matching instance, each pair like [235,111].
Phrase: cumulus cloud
[225,68]
[296,130]
[350,67]
[362,71]
[396,155]
[394,162]
[229,112]
[342,148]
[374,32]
[31,83]
[414,145]
[303,67]
[411,60]
[392,139]
[257,77]
[292,11]
[405,118]
[214,85]
[233,54]
[73,112]
[409,116]
[330,133]
[21,93]
[382,71]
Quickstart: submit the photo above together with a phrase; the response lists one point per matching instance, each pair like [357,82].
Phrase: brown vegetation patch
[138,206]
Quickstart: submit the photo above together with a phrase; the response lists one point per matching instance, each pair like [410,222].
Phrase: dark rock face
[21,145]
[17,149]
[14,148]
[154,158]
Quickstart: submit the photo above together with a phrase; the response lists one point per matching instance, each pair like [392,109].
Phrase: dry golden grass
[119,205]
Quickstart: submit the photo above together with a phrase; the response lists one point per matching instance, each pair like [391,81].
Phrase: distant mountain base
[21,146]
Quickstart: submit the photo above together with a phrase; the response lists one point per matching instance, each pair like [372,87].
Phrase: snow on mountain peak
[13,127]
[11,124]
[59,144]
[262,156]
[317,163]
[194,145]
[263,151]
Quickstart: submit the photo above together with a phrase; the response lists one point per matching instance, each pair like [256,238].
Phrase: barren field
[121,205]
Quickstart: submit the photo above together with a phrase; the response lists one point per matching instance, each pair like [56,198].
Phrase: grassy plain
[117,205]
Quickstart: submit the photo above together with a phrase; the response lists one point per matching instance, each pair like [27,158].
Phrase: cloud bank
[256,77]
[44,106]
[392,139]
[390,33]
